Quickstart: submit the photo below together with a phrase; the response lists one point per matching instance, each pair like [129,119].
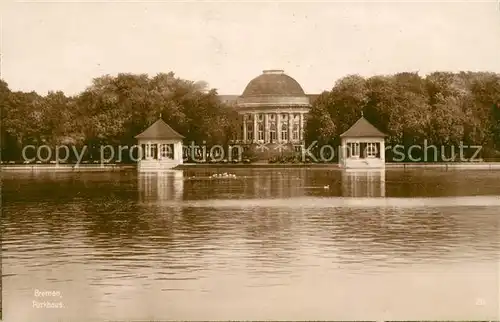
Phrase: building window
[284,117]
[261,117]
[272,117]
[371,150]
[261,132]
[248,117]
[354,149]
[164,151]
[284,132]
[272,132]
[151,151]
[295,132]
[250,132]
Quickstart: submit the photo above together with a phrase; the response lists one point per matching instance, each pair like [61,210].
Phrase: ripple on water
[341,202]
[181,255]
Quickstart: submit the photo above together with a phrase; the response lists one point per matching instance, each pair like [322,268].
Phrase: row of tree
[112,111]
[443,108]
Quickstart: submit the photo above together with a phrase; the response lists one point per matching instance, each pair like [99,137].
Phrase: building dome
[273,83]
[273,88]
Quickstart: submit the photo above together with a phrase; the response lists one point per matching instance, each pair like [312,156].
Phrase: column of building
[290,127]
[244,128]
[301,127]
[278,127]
[255,129]
[382,150]
[267,133]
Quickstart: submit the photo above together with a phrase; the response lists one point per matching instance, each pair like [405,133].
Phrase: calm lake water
[267,245]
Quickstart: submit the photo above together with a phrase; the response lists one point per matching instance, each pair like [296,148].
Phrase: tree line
[112,111]
[442,108]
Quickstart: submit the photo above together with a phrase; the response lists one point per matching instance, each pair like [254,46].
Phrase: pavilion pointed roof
[363,128]
[160,130]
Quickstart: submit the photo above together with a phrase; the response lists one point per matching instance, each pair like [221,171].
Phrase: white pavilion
[362,147]
[161,147]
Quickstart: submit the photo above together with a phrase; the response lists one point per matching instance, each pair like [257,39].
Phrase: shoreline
[187,166]
[66,167]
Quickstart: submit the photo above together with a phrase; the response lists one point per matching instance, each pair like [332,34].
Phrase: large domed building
[273,107]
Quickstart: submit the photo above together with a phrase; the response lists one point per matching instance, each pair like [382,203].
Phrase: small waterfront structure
[362,147]
[161,147]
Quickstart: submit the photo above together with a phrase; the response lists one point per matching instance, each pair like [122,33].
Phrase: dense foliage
[442,109]
[112,111]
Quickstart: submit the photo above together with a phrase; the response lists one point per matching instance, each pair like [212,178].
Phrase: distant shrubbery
[290,158]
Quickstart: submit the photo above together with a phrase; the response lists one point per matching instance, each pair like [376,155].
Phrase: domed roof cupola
[274,88]
[273,82]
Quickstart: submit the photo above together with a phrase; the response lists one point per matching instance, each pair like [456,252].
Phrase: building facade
[273,109]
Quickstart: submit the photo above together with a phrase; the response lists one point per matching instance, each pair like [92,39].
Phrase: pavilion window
[371,150]
[150,151]
[170,151]
[354,149]
[163,151]
[166,151]
[272,132]
[284,132]
[154,151]
[260,132]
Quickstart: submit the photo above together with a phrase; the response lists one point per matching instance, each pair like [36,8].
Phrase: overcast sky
[62,46]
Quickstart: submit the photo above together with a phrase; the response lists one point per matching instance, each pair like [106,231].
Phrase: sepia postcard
[249,160]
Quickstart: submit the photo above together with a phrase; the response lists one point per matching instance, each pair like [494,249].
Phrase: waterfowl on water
[223,175]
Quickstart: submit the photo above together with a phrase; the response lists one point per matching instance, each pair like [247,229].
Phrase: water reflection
[185,246]
[370,183]
[279,184]
[249,183]
[160,186]
[272,240]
